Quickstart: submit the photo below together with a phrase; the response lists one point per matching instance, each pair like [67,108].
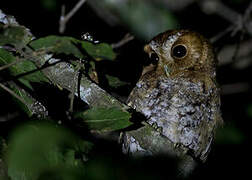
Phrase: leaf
[17,36]
[99,51]
[57,45]
[29,101]
[105,119]
[115,81]
[68,45]
[38,148]
[21,67]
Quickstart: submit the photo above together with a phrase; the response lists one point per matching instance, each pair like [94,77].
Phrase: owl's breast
[179,109]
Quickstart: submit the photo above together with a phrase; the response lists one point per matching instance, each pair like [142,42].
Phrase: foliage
[105,119]
[69,45]
[41,150]
[14,35]
[38,149]
[52,151]
[24,68]
[115,82]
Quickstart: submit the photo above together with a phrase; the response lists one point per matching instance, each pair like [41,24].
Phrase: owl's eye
[154,58]
[179,51]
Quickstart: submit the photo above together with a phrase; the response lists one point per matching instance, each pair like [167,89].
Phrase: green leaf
[67,45]
[21,67]
[115,81]
[29,101]
[99,51]
[105,119]
[36,149]
[17,36]
[57,45]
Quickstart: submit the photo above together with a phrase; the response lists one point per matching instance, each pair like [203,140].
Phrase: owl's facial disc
[179,51]
[156,57]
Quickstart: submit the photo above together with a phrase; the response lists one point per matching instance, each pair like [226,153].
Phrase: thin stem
[75,79]
[221,34]
[123,41]
[9,65]
[64,19]
[12,93]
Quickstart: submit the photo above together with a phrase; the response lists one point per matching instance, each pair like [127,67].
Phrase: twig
[235,18]
[64,19]
[12,63]
[244,53]
[9,65]
[62,74]
[46,65]
[221,34]
[72,93]
[248,11]
[217,7]
[123,41]
[246,17]
[239,24]
[13,94]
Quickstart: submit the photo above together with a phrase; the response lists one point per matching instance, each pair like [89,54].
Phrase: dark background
[231,152]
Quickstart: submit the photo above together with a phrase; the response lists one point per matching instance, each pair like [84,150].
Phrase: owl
[179,96]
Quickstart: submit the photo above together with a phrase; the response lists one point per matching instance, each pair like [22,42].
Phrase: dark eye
[154,58]
[179,51]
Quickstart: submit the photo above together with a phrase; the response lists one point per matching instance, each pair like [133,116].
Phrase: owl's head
[179,51]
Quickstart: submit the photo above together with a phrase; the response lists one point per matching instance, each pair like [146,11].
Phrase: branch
[238,20]
[244,54]
[9,65]
[62,75]
[127,38]
[65,18]
[34,107]
[13,94]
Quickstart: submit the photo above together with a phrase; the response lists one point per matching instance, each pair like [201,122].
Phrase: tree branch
[13,94]
[127,38]
[65,18]
[244,54]
[62,75]
[236,19]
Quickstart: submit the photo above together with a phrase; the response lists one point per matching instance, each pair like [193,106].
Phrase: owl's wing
[192,115]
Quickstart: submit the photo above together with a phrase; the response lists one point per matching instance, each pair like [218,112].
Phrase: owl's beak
[167,70]
[147,48]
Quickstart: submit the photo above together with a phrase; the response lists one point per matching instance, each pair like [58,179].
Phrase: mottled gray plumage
[181,109]
[179,96]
